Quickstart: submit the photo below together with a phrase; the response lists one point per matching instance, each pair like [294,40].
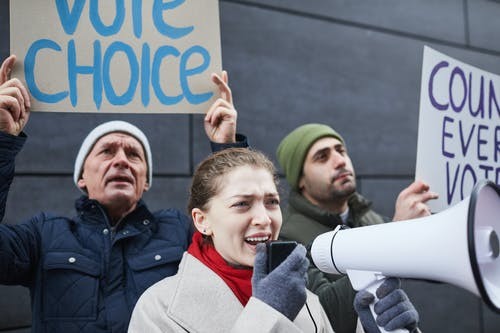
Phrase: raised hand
[14,100]
[220,120]
[411,202]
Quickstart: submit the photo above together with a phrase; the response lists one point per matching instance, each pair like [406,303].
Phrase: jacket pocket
[70,286]
[149,268]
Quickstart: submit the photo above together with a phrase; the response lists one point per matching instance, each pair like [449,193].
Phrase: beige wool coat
[198,300]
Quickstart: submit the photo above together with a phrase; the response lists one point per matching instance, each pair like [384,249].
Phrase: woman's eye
[273,202]
[241,204]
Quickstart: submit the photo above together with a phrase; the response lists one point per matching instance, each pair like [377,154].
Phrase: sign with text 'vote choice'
[459,128]
[129,56]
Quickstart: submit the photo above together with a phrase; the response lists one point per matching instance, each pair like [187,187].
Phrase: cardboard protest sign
[459,128]
[134,56]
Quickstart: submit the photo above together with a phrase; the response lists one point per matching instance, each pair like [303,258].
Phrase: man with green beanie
[322,196]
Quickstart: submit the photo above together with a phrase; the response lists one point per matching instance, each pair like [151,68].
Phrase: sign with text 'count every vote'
[128,56]
[459,128]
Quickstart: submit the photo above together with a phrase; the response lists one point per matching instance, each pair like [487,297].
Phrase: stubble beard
[341,193]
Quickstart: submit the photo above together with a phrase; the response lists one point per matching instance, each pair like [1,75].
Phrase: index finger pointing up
[6,68]
[222,83]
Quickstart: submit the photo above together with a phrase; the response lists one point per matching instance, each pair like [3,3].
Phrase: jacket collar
[198,287]
[90,210]
[358,206]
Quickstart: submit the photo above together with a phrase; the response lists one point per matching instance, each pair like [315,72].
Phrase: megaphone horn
[459,246]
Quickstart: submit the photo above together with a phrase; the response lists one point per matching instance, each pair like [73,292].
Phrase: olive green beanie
[293,149]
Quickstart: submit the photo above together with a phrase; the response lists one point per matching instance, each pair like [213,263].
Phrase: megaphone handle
[372,289]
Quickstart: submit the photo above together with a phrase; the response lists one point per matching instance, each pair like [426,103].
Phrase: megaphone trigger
[370,282]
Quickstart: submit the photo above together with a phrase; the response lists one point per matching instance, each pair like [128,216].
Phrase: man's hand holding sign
[14,100]
[222,115]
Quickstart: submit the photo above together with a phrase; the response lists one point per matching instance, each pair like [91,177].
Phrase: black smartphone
[277,251]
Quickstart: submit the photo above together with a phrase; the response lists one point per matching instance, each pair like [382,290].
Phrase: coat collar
[358,206]
[91,211]
[202,301]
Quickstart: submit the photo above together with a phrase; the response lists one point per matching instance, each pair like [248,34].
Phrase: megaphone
[459,246]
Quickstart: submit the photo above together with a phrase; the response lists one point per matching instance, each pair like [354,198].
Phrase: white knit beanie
[100,131]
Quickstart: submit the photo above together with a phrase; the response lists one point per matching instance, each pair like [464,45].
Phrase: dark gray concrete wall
[352,64]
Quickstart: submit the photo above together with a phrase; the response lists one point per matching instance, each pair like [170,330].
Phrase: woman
[222,284]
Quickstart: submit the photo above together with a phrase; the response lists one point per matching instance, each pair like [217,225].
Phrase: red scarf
[239,280]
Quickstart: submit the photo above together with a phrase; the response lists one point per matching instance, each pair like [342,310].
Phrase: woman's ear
[200,221]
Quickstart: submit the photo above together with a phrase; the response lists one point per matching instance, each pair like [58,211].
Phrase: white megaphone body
[459,246]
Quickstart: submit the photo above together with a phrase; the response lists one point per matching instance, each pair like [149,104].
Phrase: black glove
[285,287]
[394,310]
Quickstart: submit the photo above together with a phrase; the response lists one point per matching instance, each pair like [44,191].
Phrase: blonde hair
[208,175]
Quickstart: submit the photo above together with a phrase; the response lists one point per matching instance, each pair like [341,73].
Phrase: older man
[85,273]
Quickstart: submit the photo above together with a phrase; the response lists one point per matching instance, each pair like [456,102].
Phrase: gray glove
[394,310]
[285,287]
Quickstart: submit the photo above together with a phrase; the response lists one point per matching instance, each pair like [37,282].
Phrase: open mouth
[257,240]
[120,179]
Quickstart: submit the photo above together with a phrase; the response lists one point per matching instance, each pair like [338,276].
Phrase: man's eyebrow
[339,145]
[321,151]
[104,144]
[133,146]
